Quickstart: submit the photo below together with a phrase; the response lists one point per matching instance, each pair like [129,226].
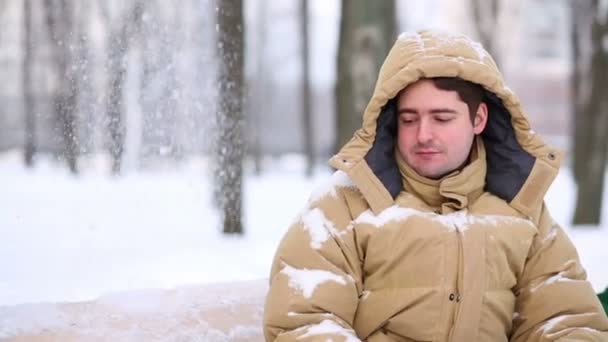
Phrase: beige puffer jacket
[382,254]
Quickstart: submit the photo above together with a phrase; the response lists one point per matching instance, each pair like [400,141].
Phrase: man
[434,226]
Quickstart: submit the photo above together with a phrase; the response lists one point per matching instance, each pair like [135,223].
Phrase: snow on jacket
[383,254]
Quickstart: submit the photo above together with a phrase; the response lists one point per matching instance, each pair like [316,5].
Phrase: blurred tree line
[148,36]
[84,64]
[589,106]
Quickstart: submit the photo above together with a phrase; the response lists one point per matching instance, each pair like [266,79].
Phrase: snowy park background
[160,230]
[124,241]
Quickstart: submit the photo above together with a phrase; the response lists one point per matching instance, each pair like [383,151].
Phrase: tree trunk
[306,96]
[28,86]
[115,105]
[169,104]
[594,140]
[85,73]
[485,19]
[150,68]
[260,91]
[367,32]
[60,22]
[229,147]
[582,18]
[118,48]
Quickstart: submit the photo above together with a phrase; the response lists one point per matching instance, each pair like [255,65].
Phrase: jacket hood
[520,166]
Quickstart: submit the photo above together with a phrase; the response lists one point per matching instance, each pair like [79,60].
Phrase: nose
[424,133]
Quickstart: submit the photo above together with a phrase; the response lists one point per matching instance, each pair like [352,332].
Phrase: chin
[428,174]
[433,174]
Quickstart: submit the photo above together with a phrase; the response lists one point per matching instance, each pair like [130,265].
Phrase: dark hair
[470,93]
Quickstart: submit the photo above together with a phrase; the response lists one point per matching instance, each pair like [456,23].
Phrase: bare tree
[229,147]
[367,31]
[306,94]
[3,5]
[581,18]
[84,53]
[118,47]
[60,22]
[260,91]
[485,18]
[152,57]
[159,103]
[28,86]
[590,106]
[169,103]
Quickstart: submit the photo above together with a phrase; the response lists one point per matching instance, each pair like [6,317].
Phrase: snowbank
[210,313]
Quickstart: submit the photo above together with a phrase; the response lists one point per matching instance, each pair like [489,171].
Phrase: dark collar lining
[381,157]
[509,165]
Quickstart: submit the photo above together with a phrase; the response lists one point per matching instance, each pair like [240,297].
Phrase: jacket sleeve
[315,281]
[554,301]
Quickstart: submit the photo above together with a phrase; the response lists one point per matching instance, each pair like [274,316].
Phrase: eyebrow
[432,111]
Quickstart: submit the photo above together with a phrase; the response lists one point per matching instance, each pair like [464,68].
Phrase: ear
[481,118]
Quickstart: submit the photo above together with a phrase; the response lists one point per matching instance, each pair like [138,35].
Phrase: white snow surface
[66,238]
[551,323]
[210,313]
[459,220]
[387,215]
[446,38]
[337,179]
[411,36]
[553,279]
[328,327]
[306,281]
[318,226]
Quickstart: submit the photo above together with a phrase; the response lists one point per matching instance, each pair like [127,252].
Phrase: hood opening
[508,164]
[381,156]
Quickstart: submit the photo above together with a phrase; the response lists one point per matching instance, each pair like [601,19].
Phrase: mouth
[427,154]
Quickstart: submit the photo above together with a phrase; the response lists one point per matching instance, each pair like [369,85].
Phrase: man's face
[435,132]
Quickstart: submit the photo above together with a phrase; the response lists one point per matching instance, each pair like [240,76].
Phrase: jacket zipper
[459,283]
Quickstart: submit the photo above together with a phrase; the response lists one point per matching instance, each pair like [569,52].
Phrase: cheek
[458,144]
[405,139]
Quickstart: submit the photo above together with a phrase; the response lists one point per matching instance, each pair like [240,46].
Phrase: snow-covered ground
[65,238]
[203,313]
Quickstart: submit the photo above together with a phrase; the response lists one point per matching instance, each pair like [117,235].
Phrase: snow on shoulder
[560,277]
[393,213]
[328,327]
[319,227]
[313,220]
[551,323]
[307,281]
[459,220]
[338,179]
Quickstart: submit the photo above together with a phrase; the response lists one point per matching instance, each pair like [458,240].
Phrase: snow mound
[210,313]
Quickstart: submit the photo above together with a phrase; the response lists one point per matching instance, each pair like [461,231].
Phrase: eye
[443,119]
[406,120]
